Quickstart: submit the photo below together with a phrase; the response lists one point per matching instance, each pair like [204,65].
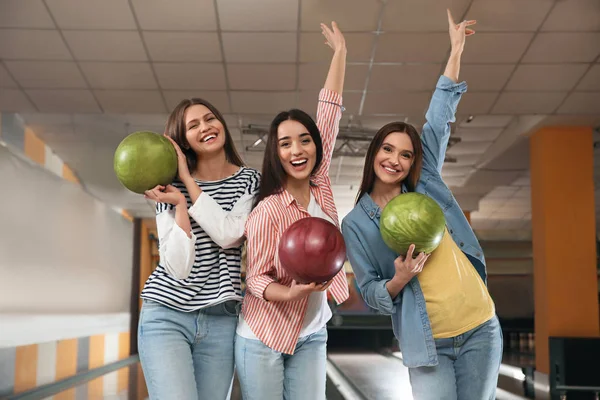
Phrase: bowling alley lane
[364,375]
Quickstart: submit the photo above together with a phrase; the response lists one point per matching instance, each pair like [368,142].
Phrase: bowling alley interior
[81,238]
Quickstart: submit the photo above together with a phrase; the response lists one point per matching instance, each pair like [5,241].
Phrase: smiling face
[203,131]
[296,149]
[394,158]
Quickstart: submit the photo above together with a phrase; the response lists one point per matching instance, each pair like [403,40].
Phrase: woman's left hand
[459,32]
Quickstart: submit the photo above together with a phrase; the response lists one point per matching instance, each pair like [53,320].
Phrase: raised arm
[445,99]
[337,69]
[329,110]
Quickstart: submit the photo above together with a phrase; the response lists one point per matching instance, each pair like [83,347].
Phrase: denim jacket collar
[371,208]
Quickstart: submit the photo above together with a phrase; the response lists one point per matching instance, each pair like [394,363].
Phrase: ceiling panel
[124,75]
[412,47]
[508,15]
[528,102]
[6,81]
[482,77]
[20,44]
[421,15]
[492,48]
[478,134]
[550,47]
[106,45]
[404,77]
[591,80]
[274,15]
[262,103]
[183,46]
[46,74]
[462,148]
[574,15]
[175,15]
[90,14]
[188,76]
[68,101]
[312,76]
[581,103]
[477,102]
[259,47]
[404,103]
[131,101]
[25,14]
[14,100]
[262,76]
[549,77]
[487,121]
[357,15]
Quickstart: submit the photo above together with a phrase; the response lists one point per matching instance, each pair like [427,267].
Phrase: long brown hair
[273,176]
[368,178]
[176,130]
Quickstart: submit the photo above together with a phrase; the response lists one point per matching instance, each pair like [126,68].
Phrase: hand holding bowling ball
[407,267]
[165,194]
[301,290]
[312,250]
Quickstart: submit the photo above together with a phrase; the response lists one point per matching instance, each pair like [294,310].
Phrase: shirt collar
[370,207]
[287,199]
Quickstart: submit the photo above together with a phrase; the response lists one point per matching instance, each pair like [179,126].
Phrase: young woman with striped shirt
[280,348]
[190,302]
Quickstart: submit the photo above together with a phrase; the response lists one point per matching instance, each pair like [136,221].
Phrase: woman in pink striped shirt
[281,339]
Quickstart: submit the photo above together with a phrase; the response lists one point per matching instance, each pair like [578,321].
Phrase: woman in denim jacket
[442,313]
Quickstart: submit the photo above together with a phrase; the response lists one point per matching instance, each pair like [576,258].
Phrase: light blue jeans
[468,366]
[266,374]
[187,355]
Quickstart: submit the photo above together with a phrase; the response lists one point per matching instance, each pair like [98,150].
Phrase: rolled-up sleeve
[441,113]
[372,286]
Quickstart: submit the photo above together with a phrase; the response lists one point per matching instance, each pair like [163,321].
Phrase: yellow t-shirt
[456,298]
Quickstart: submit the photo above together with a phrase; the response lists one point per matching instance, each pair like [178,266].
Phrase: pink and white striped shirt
[278,324]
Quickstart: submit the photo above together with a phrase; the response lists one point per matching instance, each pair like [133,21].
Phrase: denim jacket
[373,262]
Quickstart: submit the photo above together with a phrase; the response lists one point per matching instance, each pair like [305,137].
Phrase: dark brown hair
[273,176]
[368,178]
[176,130]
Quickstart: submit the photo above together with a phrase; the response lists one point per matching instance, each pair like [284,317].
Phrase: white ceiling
[83,74]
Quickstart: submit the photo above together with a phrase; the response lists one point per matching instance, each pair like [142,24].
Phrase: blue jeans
[266,374]
[187,355]
[468,366]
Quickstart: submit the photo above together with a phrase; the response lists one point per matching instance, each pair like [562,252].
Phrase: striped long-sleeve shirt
[203,270]
[278,324]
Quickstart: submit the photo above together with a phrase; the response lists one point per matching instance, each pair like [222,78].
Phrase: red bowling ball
[312,250]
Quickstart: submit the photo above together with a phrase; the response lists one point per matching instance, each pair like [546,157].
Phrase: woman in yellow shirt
[442,313]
